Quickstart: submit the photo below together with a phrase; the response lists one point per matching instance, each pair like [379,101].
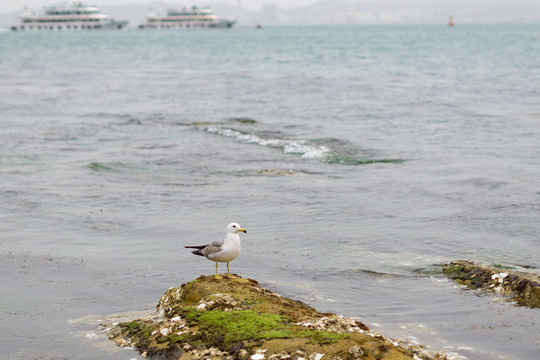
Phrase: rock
[521,287]
[335,324]
[356,351]
[243,353]
[237,319]
[236,348]
[244,120]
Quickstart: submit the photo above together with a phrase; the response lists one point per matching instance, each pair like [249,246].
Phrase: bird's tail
[198,251]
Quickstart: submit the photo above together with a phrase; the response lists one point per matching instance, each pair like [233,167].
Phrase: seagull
[225,250]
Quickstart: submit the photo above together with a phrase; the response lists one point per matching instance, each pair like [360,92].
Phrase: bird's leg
[229,274]
[217,276]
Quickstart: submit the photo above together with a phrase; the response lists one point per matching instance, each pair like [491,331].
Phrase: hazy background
[313,12]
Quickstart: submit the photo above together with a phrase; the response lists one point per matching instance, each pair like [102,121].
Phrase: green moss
[229,327]
[503,267]
[457,272]
[138,331]
[172,339]
[134,326]
[451,269]
[137,328]
[234,326]
[321,337]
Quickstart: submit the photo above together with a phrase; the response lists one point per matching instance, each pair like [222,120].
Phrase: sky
[17,5]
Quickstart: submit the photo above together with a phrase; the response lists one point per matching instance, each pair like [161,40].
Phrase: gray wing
[217,243]
[213,248]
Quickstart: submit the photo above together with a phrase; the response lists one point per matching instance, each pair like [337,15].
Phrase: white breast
[229,250]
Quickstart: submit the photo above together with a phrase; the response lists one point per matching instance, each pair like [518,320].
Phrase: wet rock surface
[237,319]
[521,287]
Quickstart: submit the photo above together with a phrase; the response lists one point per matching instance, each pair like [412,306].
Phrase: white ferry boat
[72,17]
[194,17]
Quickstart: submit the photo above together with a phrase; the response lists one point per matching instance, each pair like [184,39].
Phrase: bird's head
[235,228]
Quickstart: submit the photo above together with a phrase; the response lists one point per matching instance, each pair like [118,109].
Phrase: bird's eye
[234,226]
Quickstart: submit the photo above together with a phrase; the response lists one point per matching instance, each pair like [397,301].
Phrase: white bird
[225,250]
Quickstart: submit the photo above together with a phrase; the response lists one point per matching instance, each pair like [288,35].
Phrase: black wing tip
[198,247]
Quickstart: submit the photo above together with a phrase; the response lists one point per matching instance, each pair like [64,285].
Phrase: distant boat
[73,17]
[186,18]
[451,21]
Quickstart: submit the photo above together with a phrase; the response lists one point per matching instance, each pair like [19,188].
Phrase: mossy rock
[521,287]
[244,120]
[237,319]
[208,293]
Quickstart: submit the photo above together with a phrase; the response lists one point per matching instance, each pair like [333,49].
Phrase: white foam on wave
[300,147]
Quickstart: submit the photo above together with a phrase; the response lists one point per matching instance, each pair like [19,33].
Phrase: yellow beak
[242,230]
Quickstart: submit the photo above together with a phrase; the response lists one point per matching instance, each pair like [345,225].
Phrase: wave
[108,167]
[329,150]
[108,115]
[300,147]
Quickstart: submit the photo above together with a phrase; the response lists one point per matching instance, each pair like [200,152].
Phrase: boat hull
[223,24]
[70,26]
[187,25]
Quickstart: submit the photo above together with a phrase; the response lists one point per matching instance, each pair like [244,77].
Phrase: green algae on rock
[244,120]
[237,319]
[523,288]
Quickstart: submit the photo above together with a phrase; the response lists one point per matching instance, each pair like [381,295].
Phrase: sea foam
[298,146]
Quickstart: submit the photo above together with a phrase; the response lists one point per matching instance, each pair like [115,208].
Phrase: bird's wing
[213,248]
[210,249]
[206,250]
[217,243]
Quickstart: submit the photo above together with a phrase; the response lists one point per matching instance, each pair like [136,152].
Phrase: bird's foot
[218,277]
[231,276]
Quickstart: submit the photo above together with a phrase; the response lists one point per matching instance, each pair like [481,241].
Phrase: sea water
[357,158]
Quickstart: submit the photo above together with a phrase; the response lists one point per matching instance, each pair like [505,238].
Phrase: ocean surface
[357,158]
